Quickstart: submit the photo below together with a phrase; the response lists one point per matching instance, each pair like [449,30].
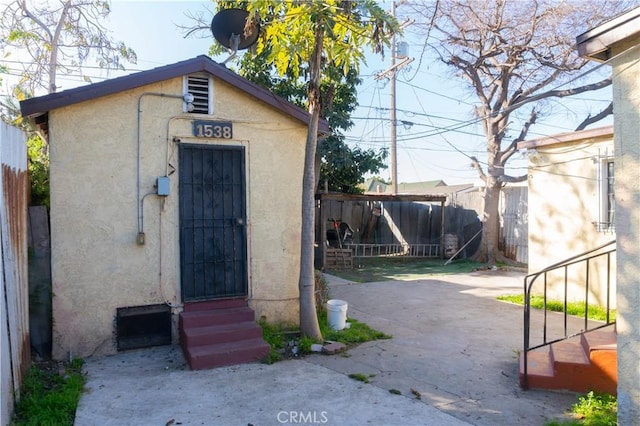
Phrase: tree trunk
[491,226]
[308,317]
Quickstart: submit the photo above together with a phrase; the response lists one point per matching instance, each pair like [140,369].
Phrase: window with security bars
[201,87]
[607,198]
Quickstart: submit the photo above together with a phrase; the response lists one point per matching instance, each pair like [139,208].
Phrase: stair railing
[586,258]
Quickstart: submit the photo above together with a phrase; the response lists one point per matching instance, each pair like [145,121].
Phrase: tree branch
[476,165]
[590,120]
[512,179]
[512,149]
[561,93]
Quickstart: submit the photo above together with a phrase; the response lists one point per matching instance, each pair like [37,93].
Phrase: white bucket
[337,313]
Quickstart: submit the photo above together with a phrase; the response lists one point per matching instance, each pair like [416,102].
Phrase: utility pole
[394,154]
[390,73]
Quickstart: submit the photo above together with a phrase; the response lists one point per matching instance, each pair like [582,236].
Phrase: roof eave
[596,133]
[596,43]
[34,107]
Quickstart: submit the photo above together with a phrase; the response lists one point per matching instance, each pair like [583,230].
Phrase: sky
[436,131]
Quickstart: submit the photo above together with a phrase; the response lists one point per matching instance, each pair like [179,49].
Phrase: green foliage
[279,336]
[358,332]
[276,337]
[38,167]
[597,409]
[592,410]
[280,63]
[359,377]
[288,31]
[596,312]
[342,167]
[50,394]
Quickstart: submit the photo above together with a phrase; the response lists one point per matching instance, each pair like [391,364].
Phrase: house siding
[97,265]
[563,209]
[626,98]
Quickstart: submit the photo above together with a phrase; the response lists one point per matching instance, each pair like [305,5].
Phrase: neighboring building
[162,195]
[377,186]
[571,207]
[617,42]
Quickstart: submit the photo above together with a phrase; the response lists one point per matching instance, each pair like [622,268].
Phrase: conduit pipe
[187,99]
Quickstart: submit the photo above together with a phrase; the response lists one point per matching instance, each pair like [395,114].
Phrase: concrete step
[207,335]
[230,353]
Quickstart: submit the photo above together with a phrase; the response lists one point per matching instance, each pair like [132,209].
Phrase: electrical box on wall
[163,185]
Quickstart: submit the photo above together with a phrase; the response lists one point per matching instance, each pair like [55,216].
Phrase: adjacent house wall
[97,265]
[564,205]
[626,99]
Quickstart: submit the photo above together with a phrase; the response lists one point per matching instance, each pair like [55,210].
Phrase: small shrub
[592,410]
[597,409]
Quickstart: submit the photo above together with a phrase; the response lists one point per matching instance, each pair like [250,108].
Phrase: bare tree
[511,54]
[49,38]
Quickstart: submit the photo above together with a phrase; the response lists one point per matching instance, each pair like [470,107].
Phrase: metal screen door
[213,240]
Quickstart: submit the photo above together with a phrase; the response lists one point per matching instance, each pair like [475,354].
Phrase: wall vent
[200,86]
[143,326]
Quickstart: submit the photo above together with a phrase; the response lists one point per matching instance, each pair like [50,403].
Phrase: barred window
[607,196]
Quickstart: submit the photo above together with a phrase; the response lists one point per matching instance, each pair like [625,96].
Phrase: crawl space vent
[200,88]
[143,326]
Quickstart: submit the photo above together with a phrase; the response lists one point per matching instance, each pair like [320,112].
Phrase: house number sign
[212,129]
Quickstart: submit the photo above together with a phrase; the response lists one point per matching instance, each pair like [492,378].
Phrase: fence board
[420,223]
[14,308]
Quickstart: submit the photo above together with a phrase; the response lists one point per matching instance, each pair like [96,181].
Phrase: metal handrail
[529,280]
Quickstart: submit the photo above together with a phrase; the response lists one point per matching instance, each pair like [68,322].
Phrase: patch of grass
[277,336]
[592,409]
[360,377]
[281,338]
[395,391]
[358,332]
[50,394]
[398,268]
[596,312]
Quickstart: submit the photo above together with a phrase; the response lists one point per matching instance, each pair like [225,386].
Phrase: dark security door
[213,240]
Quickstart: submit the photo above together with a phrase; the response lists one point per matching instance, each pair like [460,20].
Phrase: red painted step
[221,332]
[190,319]
[221,354]
[208,335]
[587,362]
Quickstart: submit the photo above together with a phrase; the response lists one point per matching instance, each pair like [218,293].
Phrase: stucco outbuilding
[174,185]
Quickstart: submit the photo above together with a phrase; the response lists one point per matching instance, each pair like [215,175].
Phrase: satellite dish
[227,27]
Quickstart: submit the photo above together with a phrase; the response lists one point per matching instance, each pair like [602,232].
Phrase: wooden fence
[395,227]
[14,303]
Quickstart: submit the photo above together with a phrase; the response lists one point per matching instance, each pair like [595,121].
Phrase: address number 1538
[213,129]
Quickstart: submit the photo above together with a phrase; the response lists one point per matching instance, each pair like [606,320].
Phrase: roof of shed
[40,106]
[598,133]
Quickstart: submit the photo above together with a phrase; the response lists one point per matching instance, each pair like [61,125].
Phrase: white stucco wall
[564,194]
[97,266]
[626,98]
